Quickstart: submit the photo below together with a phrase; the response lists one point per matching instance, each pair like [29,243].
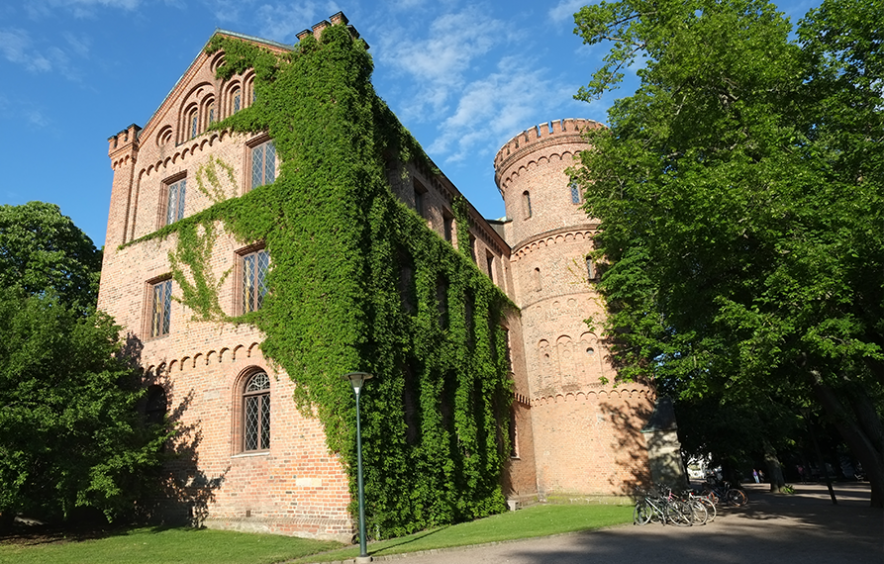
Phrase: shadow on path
[804,528]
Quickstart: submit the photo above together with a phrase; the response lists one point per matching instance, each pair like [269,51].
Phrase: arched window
[256,412]
[236,100]
[193,122]
[210,113]
[537,281]
[526,204]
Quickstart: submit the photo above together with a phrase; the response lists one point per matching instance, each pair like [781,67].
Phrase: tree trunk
[774,468]
[861,430]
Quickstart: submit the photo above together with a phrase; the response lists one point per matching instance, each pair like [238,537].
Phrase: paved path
[804,528]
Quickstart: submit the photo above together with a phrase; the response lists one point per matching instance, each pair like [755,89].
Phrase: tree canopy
[41,249]
[70,431]
[741,200]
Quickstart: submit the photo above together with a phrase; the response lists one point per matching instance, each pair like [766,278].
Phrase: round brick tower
[587,434]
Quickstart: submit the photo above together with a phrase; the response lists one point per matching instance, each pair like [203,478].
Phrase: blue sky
[463,76]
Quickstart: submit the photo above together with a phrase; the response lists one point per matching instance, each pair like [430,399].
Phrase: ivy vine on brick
[435,418]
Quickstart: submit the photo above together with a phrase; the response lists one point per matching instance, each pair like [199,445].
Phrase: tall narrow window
[263,164]
[194,123]
[407,289]
[211,113]
[514,433]
[256,413]
[254,280]
[507,353]
[237,101]
[590,269]
[473,247]
[419,193]
[155,408]
[442,303]
[526,204]
[448,227]
[575,193]
[160,308]
[489,263]
[538,283]
[175,199]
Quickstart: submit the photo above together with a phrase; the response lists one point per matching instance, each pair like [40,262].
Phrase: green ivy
[344,252]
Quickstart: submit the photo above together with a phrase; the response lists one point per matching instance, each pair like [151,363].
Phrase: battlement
[337,19]
[563,130]
[124,139]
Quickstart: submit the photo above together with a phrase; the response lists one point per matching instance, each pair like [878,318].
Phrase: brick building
[572,435]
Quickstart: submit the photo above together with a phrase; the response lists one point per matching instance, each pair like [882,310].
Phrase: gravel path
[804,528]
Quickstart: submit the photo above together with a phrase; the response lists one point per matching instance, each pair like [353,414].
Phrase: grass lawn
[533,521]
[169,546]
[202,546]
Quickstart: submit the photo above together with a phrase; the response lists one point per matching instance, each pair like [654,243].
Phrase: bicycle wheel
[699,515]
[642,513]
[710,507]
[736,497]
[678,514]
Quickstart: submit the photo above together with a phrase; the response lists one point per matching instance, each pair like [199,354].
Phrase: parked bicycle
[668,507]
[722,491]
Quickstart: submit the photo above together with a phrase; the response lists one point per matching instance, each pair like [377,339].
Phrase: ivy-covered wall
[358,282]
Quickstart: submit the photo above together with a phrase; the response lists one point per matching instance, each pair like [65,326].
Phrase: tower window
[590,269]
[526,204]
[575,193]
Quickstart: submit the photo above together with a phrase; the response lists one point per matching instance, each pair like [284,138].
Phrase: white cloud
[78,44]
[36,118]
[494,108]
[439,61]
[80,8]
[565,9]
[16,47]
[229,10]
[281,21]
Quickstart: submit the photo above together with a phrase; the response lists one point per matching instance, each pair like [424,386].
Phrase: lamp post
[357,380]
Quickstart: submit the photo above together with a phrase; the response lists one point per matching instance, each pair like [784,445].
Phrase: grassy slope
[191,546]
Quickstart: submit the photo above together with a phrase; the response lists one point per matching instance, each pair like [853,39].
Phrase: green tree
[42,249]
[70,432]
[740,193]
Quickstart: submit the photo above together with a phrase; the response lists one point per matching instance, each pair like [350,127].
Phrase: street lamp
[357,380]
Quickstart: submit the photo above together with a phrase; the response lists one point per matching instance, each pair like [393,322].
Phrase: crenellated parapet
[539,139]
[123,147]
[337,19]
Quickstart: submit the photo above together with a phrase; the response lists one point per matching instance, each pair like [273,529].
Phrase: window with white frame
[176,195]
[254,279]
[263,164]
[256,412]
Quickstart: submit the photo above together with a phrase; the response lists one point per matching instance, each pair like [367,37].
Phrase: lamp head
[357,379]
